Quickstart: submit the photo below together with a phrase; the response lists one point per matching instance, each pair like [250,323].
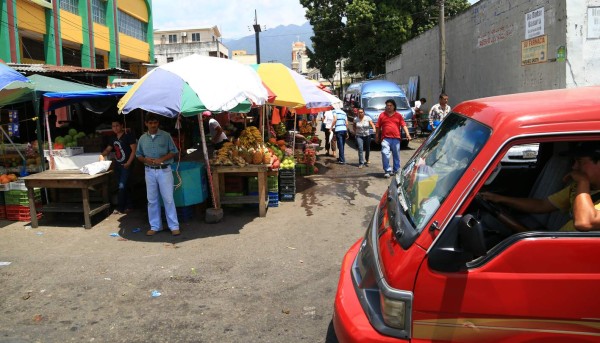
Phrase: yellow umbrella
[292,89]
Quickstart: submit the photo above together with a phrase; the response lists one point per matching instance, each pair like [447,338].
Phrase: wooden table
[72,179]
[259,170]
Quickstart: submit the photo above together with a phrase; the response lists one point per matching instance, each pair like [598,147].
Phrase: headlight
[393,312]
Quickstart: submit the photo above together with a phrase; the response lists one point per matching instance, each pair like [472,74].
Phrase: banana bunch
[229,155]
[250,137]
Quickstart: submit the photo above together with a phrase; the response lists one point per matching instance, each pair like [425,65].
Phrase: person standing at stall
[217,135]
[124,146]
[156,151]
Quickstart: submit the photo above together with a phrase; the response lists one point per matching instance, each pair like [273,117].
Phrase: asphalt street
[244,279]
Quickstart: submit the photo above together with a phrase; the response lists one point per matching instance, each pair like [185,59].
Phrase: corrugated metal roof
[52,69]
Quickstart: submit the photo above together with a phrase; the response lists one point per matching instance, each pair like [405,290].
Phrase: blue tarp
[56,100]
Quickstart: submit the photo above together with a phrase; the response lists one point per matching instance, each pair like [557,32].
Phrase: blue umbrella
[14,87]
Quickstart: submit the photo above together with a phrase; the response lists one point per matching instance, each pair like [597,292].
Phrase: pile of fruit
[288,163]
[69,140]
[305,128]
[248,149]
[6,178]
[280,130]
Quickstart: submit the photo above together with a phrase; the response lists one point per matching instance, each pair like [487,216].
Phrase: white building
[171,45]
[243,57]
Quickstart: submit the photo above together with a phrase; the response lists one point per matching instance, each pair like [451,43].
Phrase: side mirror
[471,237]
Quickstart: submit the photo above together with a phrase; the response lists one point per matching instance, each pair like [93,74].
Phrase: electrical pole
[256,36]
[341,72]
[442,26]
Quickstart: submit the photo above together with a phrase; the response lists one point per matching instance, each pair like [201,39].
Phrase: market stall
[69,180]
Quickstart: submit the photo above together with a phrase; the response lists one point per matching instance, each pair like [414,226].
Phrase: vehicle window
[433,172]
[378,103]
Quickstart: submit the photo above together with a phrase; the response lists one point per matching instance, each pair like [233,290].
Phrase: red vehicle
[440,263]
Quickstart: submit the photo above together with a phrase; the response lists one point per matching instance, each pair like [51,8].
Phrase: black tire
[331,337]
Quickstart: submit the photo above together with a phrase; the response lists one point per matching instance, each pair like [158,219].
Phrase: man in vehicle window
[388,135]
[581,197]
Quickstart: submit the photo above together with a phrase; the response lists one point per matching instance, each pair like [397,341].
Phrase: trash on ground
[114,234]
[156,294]
[7,263]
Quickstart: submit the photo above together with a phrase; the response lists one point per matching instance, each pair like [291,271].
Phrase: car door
[535,286]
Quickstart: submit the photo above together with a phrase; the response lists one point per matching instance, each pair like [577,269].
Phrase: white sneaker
[386,175]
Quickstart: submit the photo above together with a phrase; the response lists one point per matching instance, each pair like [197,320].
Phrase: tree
[368,32]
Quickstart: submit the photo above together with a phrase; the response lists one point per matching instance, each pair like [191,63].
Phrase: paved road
[245,279]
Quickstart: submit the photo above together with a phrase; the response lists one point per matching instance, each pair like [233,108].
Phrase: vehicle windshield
[432,173]
[378,103]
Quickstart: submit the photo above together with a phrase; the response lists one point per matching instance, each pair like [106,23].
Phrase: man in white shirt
[217,135]
[438,112]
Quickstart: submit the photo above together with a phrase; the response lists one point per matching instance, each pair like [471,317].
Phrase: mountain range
[275,43]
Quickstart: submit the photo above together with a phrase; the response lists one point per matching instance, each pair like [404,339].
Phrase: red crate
[2,212]
[19,213]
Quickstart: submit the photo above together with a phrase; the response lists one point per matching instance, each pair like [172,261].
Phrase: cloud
[234,18]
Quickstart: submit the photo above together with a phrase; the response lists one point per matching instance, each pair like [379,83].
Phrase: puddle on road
[346,188]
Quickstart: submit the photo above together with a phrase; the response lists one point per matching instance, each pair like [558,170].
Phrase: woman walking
[340,121]
[362,129]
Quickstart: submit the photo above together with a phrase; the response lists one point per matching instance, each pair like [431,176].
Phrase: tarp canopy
[45,84]
[54,100]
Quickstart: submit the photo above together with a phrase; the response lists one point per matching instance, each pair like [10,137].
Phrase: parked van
[439,263]
[371,96]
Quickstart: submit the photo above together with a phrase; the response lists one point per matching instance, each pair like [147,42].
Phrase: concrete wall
[483,49]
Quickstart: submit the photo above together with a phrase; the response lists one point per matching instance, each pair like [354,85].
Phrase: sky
[234,18]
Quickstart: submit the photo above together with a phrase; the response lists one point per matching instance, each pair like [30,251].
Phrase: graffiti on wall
[495,35]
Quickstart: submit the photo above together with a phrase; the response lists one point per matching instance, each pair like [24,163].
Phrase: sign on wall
[534,50]
[593,22]
[534,23]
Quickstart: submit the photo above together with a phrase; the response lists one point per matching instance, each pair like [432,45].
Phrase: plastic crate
[19,213]
[273,199]
[18,185]
[4,187]
[287,189]
[287,197]
[2,212]
[233,194]
[272,184]
[287,173]
[2,198]
[19,197]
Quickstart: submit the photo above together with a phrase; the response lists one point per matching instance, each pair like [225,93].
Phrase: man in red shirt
[388,135]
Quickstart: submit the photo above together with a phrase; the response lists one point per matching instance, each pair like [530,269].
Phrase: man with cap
[217,135]
[581,198]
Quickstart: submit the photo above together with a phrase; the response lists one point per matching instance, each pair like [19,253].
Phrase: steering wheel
[500,214]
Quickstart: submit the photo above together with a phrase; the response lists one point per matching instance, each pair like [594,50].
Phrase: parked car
[371,96]
[431,267]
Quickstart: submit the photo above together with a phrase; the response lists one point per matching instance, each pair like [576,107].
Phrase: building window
[172,38]
[132,27]
[70,6]
[99,11]
[196,37]
[169,59]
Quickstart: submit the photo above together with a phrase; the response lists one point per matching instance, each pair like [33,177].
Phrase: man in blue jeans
[156,151]
[388,134]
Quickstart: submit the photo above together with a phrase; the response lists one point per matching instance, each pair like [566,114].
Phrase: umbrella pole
[294,139]
[214,214]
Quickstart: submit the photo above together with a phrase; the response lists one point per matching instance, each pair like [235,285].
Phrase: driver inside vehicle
[580,198]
